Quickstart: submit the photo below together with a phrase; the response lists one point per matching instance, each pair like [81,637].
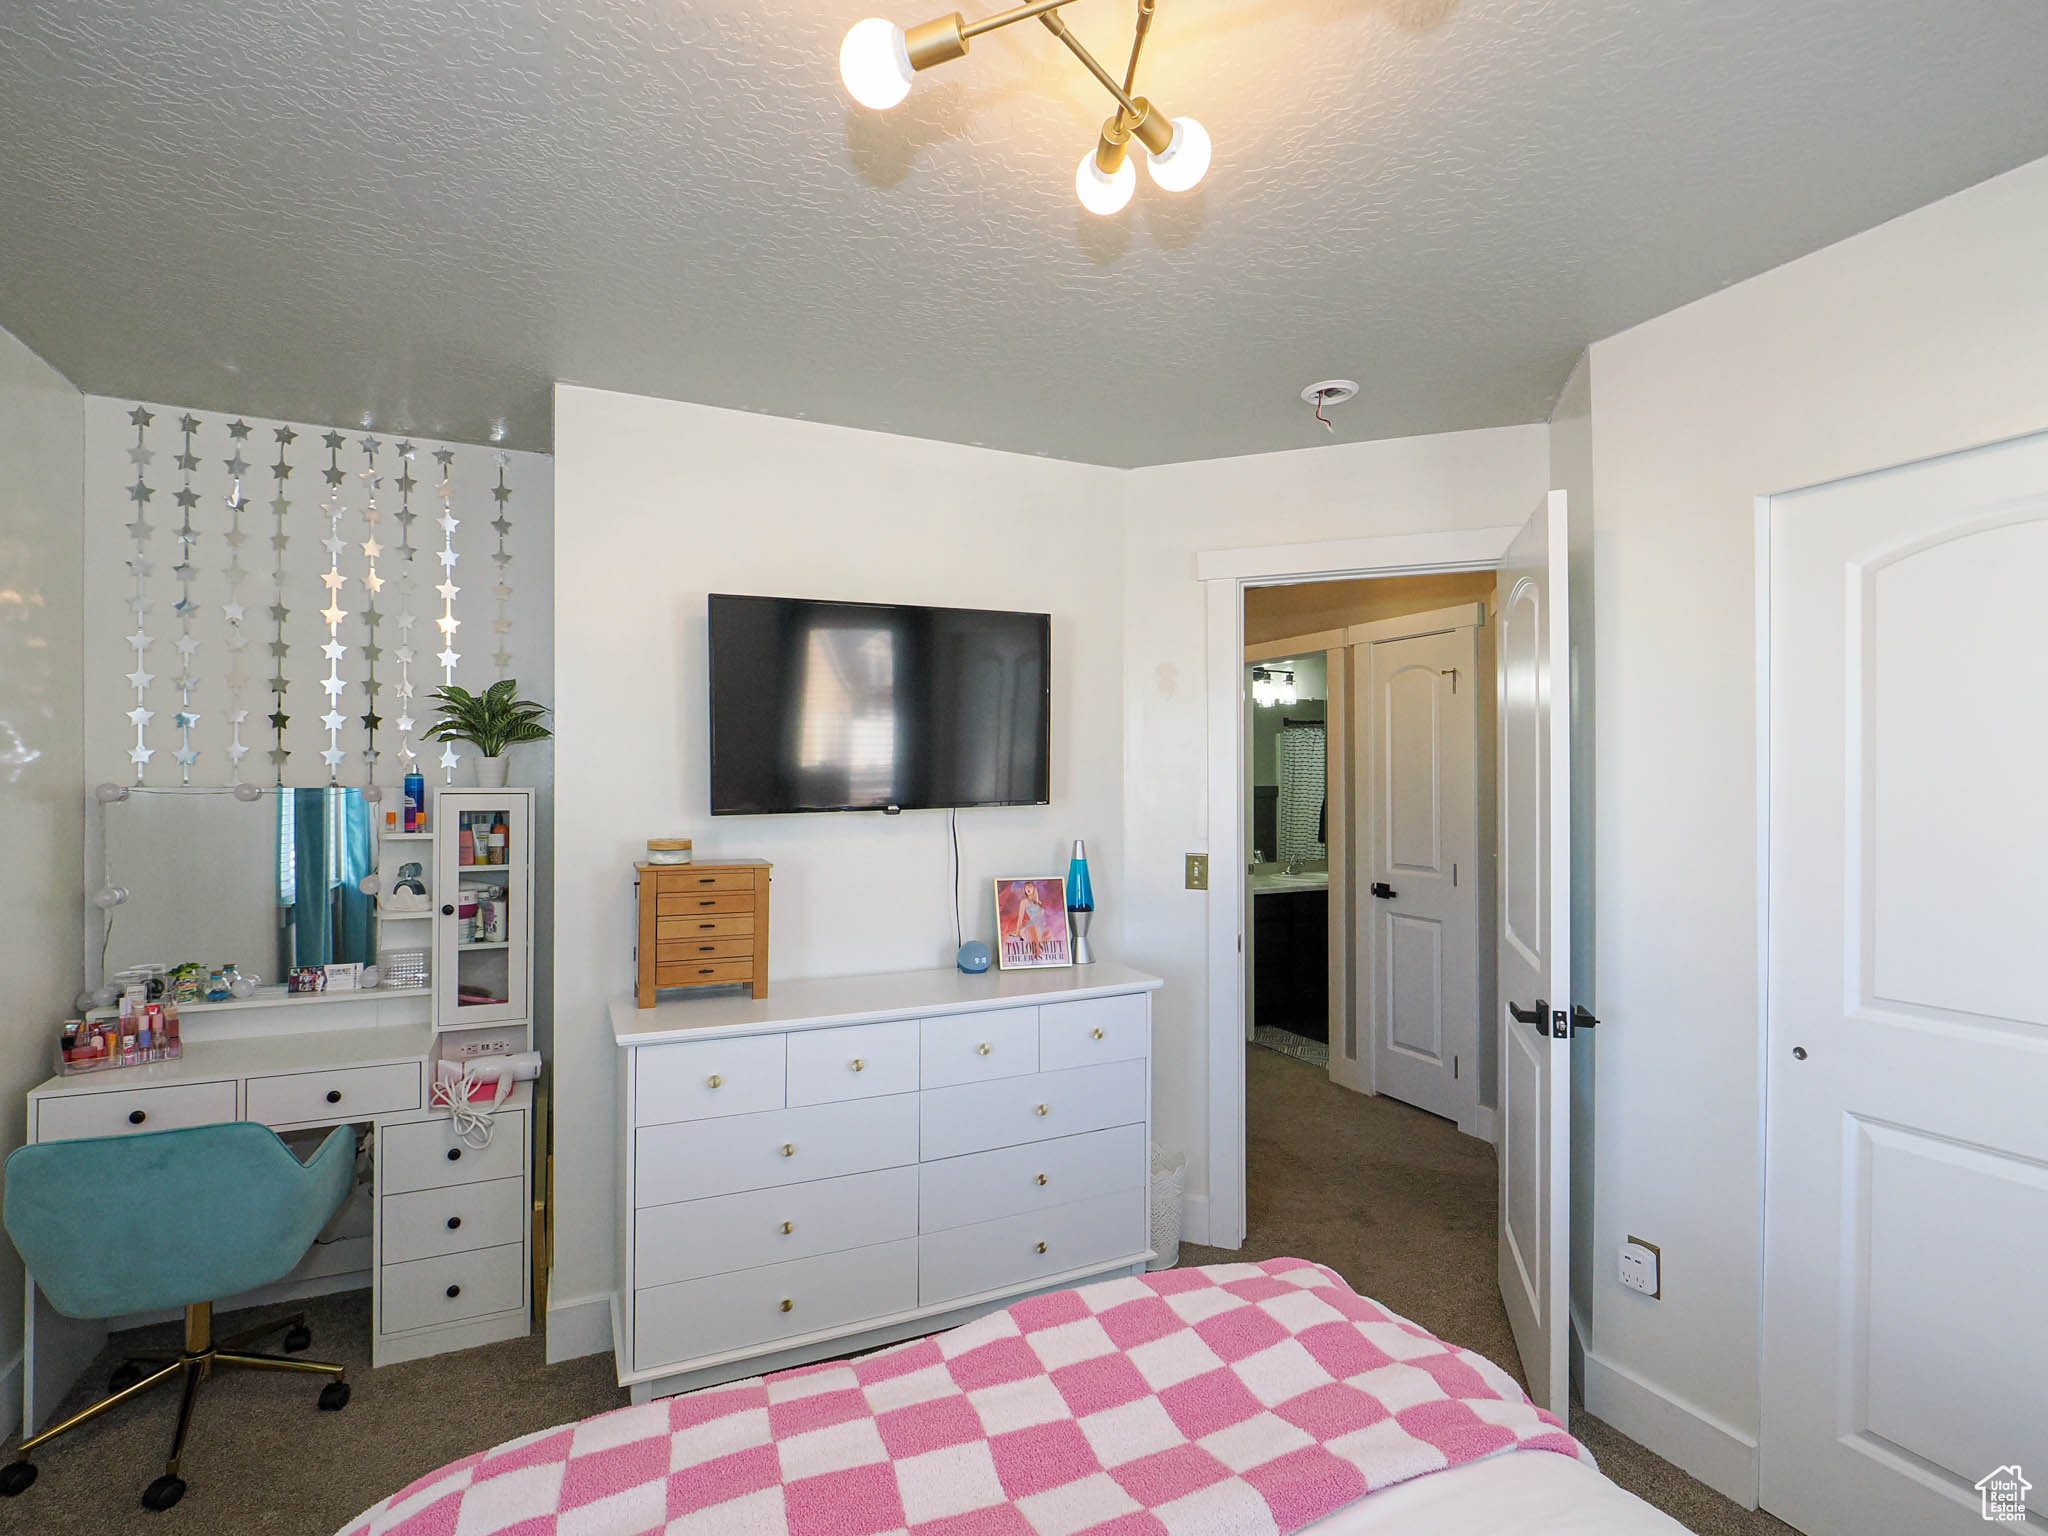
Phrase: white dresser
[860,1159]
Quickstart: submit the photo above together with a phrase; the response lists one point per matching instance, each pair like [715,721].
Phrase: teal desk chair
[114,1225]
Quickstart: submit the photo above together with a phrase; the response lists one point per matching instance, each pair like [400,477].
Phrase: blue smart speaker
[973,957]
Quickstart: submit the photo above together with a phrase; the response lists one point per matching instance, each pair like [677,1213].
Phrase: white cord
[471,1124]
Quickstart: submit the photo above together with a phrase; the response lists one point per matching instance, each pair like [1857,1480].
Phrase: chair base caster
[164,1492]
[16,1477]
[299,1338]
[334,1397]
[124,1376]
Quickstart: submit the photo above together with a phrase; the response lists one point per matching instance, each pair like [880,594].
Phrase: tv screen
[867,707]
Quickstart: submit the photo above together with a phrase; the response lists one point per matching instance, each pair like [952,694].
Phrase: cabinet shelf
[485,944]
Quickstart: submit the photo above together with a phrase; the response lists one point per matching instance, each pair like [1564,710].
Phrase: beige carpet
[1394,1200]
[1402,1206]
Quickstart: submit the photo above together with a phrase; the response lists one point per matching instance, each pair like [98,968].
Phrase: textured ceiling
[422,212]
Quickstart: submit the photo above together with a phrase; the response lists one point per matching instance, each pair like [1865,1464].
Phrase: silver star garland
[448,623]
[372,585]
[139,605]
[280,541]
[333,613]
[502,589]
[407,584]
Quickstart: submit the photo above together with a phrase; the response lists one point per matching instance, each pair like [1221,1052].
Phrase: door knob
[1538,1015]
[1384,891]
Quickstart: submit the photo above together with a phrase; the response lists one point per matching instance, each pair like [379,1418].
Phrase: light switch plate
[1198,872]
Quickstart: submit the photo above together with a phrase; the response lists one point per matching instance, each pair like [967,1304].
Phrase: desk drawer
[961,1191]
[430,1222]
[1022,1250]
[452,1288]
[704,1079]
[427,1154]
[865,1061]
[973,1047]
[676,1323]
[678,882]
[347,1093]
[666,905]
[979,1116]
[73,1115]
[746,1231]
[695,1159]
[1094,1029]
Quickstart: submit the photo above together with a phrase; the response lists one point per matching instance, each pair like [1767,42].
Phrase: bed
[1227,1400]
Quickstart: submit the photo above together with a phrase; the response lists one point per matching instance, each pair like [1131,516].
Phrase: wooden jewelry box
[703,925]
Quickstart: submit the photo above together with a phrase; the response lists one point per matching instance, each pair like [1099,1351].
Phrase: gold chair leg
[278,1363]
[184,1423]
[100,1407]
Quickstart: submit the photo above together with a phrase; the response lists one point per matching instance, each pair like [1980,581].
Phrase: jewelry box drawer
[728,925]
[67,1117]
[996,1255]
[686,905]
[428,1154]
[862,1061]
[704,973]
[974,1047]
[724,1313]
[681,881]
[691,951]
[1079,1034]
[961,1191]
[696,1159]
[347,1093]
[456,1219]
[771,1226]
[703,1079]
[452,1288]
[977,1117]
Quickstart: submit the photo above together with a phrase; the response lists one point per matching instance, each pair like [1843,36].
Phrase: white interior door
[1906,1232]
[1534,948]
[1418,898]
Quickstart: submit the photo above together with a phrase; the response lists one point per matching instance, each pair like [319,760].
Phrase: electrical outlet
[1198,872]
[1642,1268]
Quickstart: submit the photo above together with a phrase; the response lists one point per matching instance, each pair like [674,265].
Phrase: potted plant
[492,720]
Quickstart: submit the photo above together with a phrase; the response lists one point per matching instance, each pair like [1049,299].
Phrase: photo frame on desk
[1032,933]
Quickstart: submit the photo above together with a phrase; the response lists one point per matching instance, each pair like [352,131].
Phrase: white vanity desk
[855,1160]
[446,1255]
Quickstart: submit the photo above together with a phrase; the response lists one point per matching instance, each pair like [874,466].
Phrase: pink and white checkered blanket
[1226,1401]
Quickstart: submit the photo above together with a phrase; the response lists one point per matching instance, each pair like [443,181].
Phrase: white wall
[1923,336]
[660,504]
[1356,490]
[42,782]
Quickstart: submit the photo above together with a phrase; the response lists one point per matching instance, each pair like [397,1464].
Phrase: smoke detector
[1329,392]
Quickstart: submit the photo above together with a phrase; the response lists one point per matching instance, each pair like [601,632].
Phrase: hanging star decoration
[501,590]
[334,684]
[140,603]
[448,623]
[280,541]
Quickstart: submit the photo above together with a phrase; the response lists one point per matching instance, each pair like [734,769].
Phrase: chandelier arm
[1145,9]
[973,29]
[1058,28]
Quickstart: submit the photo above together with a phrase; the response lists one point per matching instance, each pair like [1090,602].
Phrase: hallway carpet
[1402,1205]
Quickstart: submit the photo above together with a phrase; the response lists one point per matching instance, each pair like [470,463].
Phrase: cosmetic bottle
[415,802]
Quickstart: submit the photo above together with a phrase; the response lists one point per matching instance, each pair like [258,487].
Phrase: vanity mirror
[265,880]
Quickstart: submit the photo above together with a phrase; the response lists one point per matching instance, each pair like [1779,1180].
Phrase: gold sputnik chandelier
[879,60]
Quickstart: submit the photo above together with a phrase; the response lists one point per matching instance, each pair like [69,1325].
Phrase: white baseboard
[1580,1327]
[1718,1454]
[10,1396]
[1485,1125]
[1194,1220]
[579,1326]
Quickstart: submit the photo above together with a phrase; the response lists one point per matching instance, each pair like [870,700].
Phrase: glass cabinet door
[483,848]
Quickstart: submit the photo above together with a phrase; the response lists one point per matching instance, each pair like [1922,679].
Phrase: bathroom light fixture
[1270,688]
[879,61]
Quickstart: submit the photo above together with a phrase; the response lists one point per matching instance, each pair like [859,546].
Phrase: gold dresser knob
[981,1049]
[789,1149]
[1041,1247]
[1041,1178]
[1094,1034]
[788,1227]
[859,1065]
[714,1080]
[1042,1109]
[788,1305]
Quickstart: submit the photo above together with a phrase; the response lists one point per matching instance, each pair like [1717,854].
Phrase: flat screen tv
[821,706]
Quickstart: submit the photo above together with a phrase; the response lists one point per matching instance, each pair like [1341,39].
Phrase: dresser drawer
[1095,1029]
[961,1191]
[451,1288]
[347,1093]
[695,1159]
[668,930]
[72,1115]
[427,1154]
[676,882]
[1022,1250]
[701,1079]
[772,1226]
[690,951]
[978,1116]
[673,1324]
[973,1047]
[704,973]
[456,1219]
[865,1061]
[695,902]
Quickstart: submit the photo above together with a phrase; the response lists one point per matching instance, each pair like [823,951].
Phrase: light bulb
[107,794]
[371,976]
[370,885]
[247,792]
[874,61]
[108,897]
[1100,193]
[1185,160]
[373,793]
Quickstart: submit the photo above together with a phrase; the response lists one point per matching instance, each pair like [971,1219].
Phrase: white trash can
[1169,1188]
